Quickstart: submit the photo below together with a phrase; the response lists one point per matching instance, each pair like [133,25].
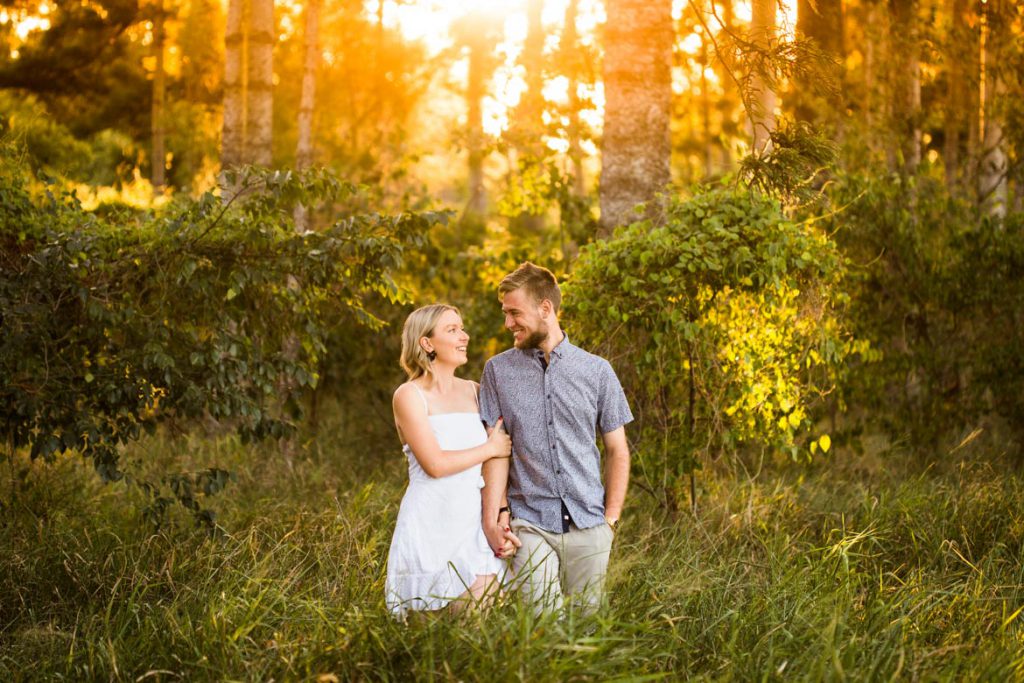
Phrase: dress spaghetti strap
[426,406]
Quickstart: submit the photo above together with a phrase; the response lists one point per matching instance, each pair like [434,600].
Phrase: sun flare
[432,22]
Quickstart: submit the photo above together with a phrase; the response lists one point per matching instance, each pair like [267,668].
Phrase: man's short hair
[539,283]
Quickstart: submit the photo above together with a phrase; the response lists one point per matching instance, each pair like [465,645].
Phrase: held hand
[510,546]
[495,538]
[499,441]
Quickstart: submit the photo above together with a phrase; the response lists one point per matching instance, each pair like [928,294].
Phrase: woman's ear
[425,344]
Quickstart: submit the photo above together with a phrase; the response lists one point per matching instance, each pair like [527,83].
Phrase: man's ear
[546,308]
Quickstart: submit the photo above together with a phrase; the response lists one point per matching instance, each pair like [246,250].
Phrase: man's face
[524,318]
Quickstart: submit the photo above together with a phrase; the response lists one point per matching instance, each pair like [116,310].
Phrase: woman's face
[449,340]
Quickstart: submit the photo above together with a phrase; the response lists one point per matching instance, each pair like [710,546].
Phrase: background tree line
[885,136]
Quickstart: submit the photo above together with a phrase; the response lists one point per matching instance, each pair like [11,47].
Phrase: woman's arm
[414,426]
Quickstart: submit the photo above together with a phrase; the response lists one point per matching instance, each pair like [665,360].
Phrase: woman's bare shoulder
[404,392]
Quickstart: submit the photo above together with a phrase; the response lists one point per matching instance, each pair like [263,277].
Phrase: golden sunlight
[431,22]
[25,24]
[785,16]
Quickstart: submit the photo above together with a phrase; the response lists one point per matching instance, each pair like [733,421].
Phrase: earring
[431,355]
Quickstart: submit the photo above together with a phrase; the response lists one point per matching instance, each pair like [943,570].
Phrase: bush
[205,311]
[45,143]
[937,289]
[722,321]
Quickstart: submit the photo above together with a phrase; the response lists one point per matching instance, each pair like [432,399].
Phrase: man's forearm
[616,482]
[492,497]
[495,473]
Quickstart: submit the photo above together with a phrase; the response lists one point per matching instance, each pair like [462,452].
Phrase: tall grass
[855,569]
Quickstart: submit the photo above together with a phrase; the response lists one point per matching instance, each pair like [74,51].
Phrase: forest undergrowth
[859,567]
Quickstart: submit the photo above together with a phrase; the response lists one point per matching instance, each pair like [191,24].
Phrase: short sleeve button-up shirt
[553,415]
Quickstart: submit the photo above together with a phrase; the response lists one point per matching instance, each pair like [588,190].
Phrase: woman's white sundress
[439,547]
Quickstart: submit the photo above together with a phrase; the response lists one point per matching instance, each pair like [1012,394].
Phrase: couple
[509,469]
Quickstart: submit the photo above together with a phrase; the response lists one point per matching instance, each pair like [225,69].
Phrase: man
[553,397]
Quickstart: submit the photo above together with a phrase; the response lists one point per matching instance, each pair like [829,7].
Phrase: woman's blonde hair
[420,323]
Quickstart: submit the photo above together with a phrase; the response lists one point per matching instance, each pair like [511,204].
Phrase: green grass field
[860,567]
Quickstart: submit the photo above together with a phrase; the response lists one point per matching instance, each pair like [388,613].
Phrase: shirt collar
[563,347]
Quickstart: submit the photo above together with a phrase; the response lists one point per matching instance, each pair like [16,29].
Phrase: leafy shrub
[205,310]
[538,186]
[937,289]
[45,143]
[722,321]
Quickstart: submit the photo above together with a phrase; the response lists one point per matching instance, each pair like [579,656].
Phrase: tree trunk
[527,134]
[974,117]
[233,127]
[705,104]
[158,158]
[822,22]
[729,98]
[380,127]
[636,148]
[570,50]
[531,109]
[956,93]
[307,101]
[380,28]
[476,207]
[906,93]
[992,173]
[871,49]
[761,99]
[260,109]
[477,31]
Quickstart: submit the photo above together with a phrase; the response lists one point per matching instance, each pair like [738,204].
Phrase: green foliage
[937,290]
[722,321]
[538,186]
[47,147]
[205,311]
[111,161]
[789,170]
[87,67]
[46,143]
[460,264]
[796,59]
[84,93]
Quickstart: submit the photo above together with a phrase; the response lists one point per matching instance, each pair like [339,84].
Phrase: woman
[439,553]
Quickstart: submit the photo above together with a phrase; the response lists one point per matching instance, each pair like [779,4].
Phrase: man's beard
[536,338]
